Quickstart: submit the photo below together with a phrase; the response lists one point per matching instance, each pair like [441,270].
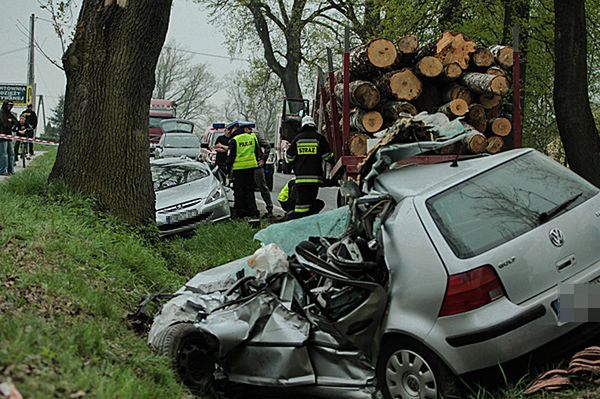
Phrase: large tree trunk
[571,101]
[110,77]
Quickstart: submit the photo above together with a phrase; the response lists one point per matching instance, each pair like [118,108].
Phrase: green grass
[68,278]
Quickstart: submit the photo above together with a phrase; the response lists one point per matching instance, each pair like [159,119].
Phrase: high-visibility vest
[245,157]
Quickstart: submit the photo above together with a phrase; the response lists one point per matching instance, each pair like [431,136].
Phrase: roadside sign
[21,95]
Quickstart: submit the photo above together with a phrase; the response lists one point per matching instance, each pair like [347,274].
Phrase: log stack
[452,75]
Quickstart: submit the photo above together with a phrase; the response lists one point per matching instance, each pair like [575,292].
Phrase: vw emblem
[556,237]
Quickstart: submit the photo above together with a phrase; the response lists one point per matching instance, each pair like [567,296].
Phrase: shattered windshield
[166,176]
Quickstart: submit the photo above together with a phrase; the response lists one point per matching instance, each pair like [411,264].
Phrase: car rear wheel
[408,370]
[186,347]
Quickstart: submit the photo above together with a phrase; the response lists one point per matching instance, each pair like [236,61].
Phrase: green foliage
[69,277]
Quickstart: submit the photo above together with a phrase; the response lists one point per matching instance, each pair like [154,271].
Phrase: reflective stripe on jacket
[245,151]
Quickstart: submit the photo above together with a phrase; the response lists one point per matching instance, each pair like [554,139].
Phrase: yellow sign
[20,95]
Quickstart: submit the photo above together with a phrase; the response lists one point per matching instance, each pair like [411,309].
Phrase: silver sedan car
[444,269]
[187,195]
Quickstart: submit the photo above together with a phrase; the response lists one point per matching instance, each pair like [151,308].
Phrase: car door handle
[565,262]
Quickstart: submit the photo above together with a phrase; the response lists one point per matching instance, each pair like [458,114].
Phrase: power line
[13,51]
[207,54]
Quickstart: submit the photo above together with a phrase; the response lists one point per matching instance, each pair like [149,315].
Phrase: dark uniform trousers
[243,193]
[306,196]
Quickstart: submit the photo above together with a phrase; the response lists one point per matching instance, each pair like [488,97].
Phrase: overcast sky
[188,26]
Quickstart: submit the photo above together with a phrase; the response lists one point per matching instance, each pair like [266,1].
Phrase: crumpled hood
[185,192]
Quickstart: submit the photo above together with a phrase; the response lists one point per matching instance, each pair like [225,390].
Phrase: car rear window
[177,126]
[505,202]
[181,141]
[165,176]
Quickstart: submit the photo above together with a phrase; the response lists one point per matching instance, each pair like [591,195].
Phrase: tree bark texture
[110,77]
[484,83]
[391,110]
[571,99]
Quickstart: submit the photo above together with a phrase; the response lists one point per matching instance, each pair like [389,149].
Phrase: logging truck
[383,80]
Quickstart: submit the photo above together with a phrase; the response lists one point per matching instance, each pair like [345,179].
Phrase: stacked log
[452,75]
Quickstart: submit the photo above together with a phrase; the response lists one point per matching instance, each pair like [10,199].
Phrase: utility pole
[30,67]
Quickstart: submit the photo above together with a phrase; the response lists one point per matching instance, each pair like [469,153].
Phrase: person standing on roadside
[7,121]
[242,160]
[221,148]
[307,152]
[32,120]
[21,129]
[259,174]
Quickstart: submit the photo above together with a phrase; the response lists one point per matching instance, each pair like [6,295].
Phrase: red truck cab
[159,110]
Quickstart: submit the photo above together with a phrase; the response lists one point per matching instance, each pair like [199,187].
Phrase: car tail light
[471,290]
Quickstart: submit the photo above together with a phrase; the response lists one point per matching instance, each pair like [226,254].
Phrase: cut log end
[483,57]
[430,67]
[499,85]
[407,44]
[452,71]
[476,143]
[381,53]
[366,95]
[500,126]
[404,85]
[372,121]
[476,113]
[494,144]
[503,55]
[456,107]
[490,101]
[454,47]
[358,144]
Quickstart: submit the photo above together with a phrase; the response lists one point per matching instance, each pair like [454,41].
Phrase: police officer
[307,152]
[242,160]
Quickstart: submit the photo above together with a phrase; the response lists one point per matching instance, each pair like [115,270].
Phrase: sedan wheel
[408,375]
[409,370]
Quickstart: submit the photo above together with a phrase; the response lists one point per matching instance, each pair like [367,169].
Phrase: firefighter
[287,200]
[242,160]
[307,153]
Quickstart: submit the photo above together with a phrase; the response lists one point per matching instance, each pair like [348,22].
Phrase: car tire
[186,348]
[408,370]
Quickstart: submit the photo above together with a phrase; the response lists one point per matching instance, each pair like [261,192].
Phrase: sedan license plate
[178,217]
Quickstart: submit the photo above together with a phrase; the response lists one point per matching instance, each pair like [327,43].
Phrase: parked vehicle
[444,269]
[187,195]
[209,139]
[178,145]
[159,111]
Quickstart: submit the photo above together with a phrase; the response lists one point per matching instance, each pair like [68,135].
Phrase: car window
[154,121]
[181,141]
[165,176]
[505,202]
[177,126]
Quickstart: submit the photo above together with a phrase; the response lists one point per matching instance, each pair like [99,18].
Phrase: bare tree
[110,68]
[190,85]
[255,95]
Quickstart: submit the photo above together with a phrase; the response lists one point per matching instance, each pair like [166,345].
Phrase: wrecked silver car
[442,269]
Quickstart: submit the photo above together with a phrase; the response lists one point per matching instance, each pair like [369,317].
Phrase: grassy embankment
[68,278]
